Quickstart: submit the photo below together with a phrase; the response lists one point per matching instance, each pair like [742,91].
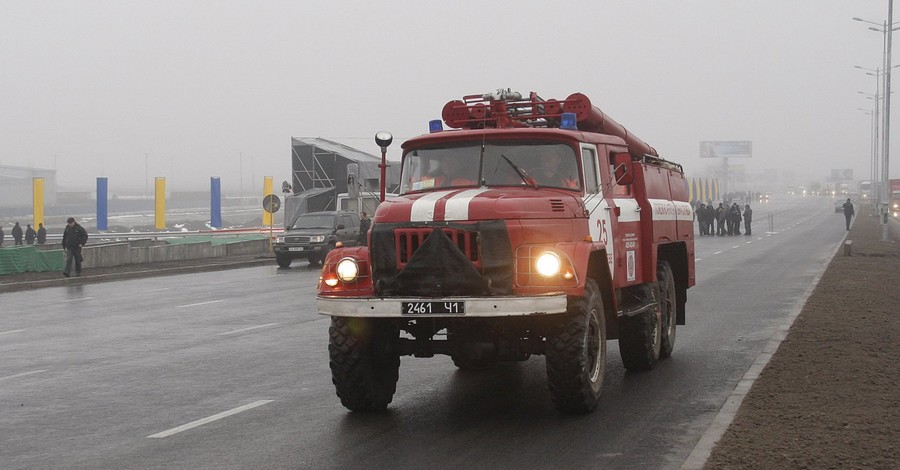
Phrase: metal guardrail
[57,238]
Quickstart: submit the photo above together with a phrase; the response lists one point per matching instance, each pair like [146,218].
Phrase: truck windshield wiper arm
[526,178]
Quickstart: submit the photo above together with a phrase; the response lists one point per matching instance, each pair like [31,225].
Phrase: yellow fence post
[38,191]
[160,203]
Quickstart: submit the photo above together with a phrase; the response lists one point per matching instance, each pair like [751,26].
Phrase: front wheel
[365,361]
[576,354]
[283,261]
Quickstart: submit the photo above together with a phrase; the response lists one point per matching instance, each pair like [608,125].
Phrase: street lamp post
[887,29]
[874,140]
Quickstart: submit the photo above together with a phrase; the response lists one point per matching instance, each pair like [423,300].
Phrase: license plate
[430,308]
[295,248]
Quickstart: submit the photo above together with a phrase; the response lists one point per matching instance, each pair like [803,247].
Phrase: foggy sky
[132,90]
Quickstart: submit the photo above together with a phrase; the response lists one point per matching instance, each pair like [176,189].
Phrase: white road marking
[23,374]
[157,290]
[248,329]
[747,243]
[10,331]
[201,303]
[79,300]
[697,259]
[717,253]
[736,246]
[215,417]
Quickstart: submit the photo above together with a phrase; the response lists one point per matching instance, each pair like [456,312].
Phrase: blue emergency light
[435,125]
[568,122]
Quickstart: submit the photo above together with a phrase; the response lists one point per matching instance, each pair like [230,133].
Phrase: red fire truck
[535,226]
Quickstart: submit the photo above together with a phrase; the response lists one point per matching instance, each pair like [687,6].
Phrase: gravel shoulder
[828,398]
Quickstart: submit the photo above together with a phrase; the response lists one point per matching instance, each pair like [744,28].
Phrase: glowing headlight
[317,239]
[347,270]
[279,239]
[548,264]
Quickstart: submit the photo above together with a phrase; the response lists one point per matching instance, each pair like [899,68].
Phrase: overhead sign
[271,203]
[838,175]
[726,149]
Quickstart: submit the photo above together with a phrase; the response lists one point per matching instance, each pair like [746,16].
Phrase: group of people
[726,219]
[29,235]
[74,238]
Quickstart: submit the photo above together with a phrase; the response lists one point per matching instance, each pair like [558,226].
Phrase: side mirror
[624,170]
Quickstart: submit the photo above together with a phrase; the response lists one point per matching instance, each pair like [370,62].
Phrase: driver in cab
[557,170]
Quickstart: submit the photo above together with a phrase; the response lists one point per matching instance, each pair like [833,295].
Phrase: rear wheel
[365,361]
[576,354]
[667,307]
[640,339]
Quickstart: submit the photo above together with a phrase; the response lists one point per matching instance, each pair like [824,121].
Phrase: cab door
[600,209]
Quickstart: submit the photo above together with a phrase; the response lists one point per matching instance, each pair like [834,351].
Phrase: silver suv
[312,235]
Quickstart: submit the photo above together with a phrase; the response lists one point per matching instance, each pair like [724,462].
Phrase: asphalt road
[229,369]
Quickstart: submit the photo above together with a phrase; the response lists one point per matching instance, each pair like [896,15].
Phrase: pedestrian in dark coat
[29,235]
[364,224]
[74,238]
[17,234]
[748,217]
[848,212]
[720,220]
[734,228]
[701,218]
[41,234]
[2,236]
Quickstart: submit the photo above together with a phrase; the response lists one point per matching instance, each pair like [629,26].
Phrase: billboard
[839,175]
[726,149]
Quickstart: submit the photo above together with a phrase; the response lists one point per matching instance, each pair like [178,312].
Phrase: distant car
[313,234]
[839,207]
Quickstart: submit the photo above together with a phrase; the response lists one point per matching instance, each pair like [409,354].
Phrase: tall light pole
[874,142]
[873,165]
[887,29]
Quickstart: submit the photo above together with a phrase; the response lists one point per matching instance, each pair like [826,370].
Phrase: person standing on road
[2,236]
[701,218]
[748,217]
[41,234]
[848,212]
[17,234]
[720,219]
[29,235]
[364,223]
[74,238]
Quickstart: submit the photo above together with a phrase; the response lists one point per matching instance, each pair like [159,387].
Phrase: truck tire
[365,361]
[283,261]
[667,307]
[640,340]
[576,354]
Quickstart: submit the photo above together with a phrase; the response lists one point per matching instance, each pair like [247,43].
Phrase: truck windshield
[545,164]
[314,221]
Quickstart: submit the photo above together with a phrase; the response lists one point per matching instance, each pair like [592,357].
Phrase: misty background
[186,90]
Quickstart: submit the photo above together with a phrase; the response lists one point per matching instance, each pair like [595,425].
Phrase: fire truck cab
[534,227]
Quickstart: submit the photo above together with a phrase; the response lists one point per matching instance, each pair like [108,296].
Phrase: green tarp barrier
[20,259]
[215,240]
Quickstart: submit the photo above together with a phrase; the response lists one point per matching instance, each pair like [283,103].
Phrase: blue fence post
[215,202]
[102,210]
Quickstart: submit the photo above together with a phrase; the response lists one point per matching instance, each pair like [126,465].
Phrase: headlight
[347,270]
[317,239]
[279,239]
[548,264]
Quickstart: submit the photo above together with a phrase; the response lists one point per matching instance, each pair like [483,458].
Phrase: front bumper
[505,306]
[305,251]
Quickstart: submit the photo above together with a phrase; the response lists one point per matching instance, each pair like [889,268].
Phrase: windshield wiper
[522,174]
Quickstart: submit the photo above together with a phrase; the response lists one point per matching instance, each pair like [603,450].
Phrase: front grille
[296,239]
[408,240]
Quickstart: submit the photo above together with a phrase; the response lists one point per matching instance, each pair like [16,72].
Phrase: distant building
[16,186]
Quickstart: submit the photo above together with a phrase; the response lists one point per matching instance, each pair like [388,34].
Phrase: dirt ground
[829,398]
